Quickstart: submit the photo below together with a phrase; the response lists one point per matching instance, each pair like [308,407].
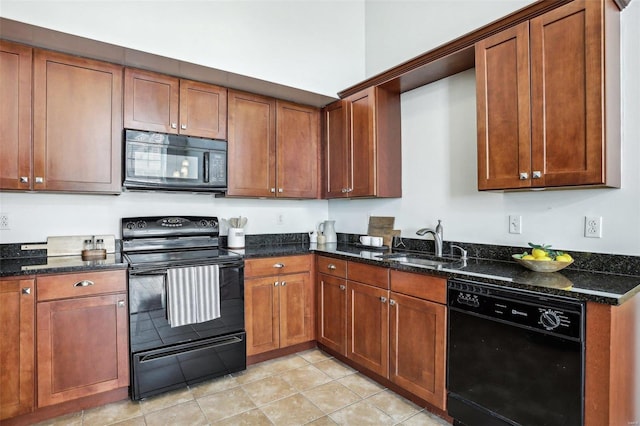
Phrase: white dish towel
[193,294]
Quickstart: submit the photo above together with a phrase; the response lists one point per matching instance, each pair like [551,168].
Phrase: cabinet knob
[276,284]
[344,190]
[524,176]
[283,283]
[24,179]
[26,290]
[183,127]
[174,125]
[392,302]
[349,189]
[331,266]
[83,283]
[280,190]
[537,175]
[343,287]
[278,265]
[120,303]
[272,190]
[383,299]
[39,179]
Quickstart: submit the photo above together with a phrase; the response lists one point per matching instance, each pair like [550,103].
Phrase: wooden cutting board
[382,226]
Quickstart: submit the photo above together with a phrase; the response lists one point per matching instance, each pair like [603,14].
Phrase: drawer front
[277,265]
[81,284]
[368,274]
[425,287]
[330,266]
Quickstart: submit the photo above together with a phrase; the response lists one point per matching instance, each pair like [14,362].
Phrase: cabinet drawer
[368,274]
[330,266]
[425,287]
[81,284]
[270,266]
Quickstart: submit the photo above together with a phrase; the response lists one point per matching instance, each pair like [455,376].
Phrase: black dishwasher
[514,357]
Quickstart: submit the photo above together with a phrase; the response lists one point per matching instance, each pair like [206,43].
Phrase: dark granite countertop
[57,265]
[611,289]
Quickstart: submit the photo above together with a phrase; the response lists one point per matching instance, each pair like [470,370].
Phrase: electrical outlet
[4,222]
[280,219]
[593,226]
[515,224]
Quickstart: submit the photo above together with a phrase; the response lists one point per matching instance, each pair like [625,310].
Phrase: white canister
[235,239]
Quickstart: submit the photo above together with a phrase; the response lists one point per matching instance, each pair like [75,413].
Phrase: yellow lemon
[538,253]
[527,257]
[543,258]
[563,258]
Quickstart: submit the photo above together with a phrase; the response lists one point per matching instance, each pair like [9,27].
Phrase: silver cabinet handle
[183,127]
[278,265]
[331,266]
[83,283]
[276,284]
[537,174]
[26,290]
[524,176]
[24,179]
[39,179]
[283,283]
[383,299]
[343,287]
[174,125]
[272,190]
[120,303]
[392,302]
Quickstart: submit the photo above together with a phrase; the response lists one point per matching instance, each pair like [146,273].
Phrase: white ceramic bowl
[542,265]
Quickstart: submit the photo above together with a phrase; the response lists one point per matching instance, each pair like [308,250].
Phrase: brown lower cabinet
[17,366]
[82,335]
[279,303]
[391,323]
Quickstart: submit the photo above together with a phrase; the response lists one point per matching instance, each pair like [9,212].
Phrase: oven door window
[165,164]
[529,377]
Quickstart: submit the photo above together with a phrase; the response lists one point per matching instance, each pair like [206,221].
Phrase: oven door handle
[162,270]
[180,351]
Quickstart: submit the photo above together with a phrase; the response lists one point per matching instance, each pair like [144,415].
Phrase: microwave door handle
[206,167]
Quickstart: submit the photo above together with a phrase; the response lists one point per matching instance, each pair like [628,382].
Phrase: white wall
[439,174]
[302,44]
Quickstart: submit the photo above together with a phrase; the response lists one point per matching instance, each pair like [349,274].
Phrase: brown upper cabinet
[273,146]
[361,145]
[548,100]
[15,119]
[161,103]
[77,124]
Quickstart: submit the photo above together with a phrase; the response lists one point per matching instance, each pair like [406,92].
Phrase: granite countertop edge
[39,266]
[496,272]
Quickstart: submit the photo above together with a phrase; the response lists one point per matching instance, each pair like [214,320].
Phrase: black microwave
[160,161]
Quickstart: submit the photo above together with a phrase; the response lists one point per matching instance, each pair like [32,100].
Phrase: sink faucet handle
[463,252]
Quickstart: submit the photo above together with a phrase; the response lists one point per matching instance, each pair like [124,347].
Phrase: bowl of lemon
[543,259]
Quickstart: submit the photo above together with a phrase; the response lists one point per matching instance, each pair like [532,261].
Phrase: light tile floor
[307,388]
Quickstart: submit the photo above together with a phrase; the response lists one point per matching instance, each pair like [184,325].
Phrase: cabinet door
[82,347]
[203,110]
[336,150]
[17,365]
[567,80]
[262,313]
[503,109]
[297,144]
[252,147]
[297,316]
[362,158]
[332,310]
[77,124]
[417,346]
[15,115]
[368,327]
[151,101]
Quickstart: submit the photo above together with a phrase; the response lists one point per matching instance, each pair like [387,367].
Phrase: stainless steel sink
[416,260]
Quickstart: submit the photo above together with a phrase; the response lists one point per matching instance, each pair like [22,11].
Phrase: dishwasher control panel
[527,309]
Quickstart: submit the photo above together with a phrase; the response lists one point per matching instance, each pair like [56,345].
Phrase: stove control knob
[130,225]
[141,224]
[549,319]
[204,223]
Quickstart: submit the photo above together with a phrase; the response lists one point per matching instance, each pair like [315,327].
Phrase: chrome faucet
[436,237]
